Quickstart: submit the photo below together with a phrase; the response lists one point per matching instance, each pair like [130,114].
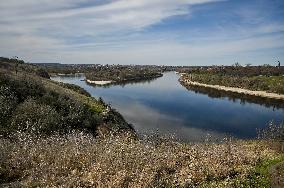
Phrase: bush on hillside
[8,102]
[22,86]
[30,116]
[42,73]
[74,114]
[273,132]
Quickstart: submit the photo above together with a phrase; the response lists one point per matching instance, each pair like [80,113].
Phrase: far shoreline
[263,94]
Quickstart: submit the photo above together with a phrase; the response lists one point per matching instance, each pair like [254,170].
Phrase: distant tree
[15,59]
[248,64]
[237,64]
[42,73]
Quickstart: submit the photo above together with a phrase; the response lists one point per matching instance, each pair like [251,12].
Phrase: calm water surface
[165,107]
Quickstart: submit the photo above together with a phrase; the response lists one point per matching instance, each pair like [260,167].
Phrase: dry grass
[80,160]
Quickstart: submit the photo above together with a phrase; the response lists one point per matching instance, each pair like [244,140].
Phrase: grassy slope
[95,105]
[26,92]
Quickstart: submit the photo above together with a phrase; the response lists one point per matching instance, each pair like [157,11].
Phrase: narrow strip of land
[103,82]
[234,89]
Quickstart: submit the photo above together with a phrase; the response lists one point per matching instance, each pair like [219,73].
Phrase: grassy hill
[31,102]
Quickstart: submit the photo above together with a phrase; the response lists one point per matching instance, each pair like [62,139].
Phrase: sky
[161,32]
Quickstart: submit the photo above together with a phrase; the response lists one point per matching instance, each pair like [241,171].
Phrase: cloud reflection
[151,120]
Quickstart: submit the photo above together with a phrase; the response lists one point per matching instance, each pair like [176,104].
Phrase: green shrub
[22,86]
[74,113]
[8,102]
[42,73]
[33,117]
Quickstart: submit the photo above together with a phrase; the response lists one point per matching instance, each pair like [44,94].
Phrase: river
[163,106]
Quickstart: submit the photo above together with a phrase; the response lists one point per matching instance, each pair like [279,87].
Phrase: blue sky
[170,32]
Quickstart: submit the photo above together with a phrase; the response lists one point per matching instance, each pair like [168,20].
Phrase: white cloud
[84,31]
[38,25]
[137,14]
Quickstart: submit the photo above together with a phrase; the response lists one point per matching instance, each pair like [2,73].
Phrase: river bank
[234,89]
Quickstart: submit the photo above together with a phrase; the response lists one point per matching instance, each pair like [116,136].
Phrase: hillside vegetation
[31,102]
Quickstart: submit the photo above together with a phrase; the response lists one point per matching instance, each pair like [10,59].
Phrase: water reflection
[165,106]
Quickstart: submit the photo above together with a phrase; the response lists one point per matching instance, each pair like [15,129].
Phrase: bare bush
[273,132]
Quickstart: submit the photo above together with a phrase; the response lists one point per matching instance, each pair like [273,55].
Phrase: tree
[237,64]
[15,58]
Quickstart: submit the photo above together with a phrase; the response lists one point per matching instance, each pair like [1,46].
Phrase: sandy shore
[103,82]
[236,90]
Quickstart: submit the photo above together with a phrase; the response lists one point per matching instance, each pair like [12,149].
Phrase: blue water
[165,107]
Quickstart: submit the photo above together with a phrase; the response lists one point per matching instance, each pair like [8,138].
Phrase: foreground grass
[80,160]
